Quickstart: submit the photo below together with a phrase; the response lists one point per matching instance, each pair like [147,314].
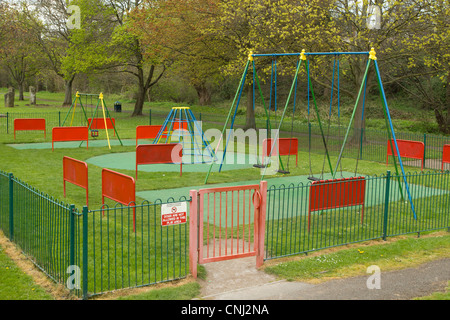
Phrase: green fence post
[7,122]
[386,205]
[85,252]
[72,236]
[59,118]
[11,207]
[424,149]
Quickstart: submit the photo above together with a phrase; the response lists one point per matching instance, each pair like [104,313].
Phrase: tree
[20,54]
[106,42]
[175,29]
[55,37]
[339,25]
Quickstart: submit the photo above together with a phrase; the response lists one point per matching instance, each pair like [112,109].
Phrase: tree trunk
[250,122]
[204,95]
[68,92]
[21,98]
[139,105]
[142,91]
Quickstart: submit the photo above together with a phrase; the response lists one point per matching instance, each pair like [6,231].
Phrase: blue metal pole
[393,137]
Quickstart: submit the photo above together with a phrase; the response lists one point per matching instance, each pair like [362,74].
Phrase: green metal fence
[120,257]
[387,213]
[92,252]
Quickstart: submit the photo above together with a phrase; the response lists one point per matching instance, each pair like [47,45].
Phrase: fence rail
[387,213]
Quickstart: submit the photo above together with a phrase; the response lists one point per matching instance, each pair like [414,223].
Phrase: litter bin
[117,106]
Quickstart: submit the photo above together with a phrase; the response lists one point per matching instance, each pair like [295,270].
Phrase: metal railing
[93,251]
[292,229]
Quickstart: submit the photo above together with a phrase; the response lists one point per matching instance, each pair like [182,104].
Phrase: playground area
[317,188]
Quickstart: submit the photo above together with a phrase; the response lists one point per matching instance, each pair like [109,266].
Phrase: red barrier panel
[29,124]
[337,193]
[99,123]
[120,188]
[159,153]
[76,172]
[445,155]
[147,132]
[286,147]
[408,149]
[70,134]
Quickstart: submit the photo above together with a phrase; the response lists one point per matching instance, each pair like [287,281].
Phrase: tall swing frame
[302,59]
[105,113]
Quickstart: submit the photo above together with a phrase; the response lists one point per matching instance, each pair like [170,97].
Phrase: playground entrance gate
[229,224]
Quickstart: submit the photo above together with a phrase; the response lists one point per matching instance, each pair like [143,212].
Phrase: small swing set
[94,123]
[303,60]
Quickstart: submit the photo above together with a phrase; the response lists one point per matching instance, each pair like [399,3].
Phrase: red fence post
[261,224]
[193,233]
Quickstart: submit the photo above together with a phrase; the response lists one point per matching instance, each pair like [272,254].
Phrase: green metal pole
[11,206]
[386,205]
[352,117]
[229,113]
[72,235]
[85,252]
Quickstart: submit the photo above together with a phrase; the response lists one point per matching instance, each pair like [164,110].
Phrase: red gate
[227,223]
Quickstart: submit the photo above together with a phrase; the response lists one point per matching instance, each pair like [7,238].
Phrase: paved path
[239,280]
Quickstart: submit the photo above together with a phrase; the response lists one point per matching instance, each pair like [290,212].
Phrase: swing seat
[259,166]
[94,133]
[283,171]
[313,179]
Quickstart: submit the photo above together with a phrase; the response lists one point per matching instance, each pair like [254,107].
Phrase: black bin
[117,106]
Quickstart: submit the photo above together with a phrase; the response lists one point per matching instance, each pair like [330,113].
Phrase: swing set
[94,123]
[304,61]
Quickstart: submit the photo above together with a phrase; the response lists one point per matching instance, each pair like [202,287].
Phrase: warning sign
[173,213]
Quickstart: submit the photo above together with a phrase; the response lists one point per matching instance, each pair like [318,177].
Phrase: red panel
[29,124]
[338,193]
[286,147]
[99,123]
[120,188]
[408,149]
[70,134]
[445,155]
[76,172]
[159,153]
[147,132]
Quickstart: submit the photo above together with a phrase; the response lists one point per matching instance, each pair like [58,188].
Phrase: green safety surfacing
[127,161]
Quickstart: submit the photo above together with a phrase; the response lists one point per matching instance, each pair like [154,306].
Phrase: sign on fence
[173,213]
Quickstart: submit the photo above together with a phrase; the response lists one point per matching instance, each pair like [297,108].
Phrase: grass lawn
[16,284]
